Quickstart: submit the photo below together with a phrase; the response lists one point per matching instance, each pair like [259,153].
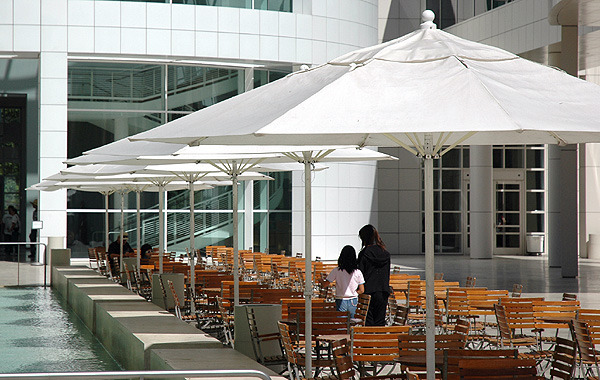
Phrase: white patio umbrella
[107,185]
[234,162]
[427,91]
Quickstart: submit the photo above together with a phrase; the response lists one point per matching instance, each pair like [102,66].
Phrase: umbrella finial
[428,16]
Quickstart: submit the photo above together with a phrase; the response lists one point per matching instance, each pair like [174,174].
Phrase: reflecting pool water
[39,333]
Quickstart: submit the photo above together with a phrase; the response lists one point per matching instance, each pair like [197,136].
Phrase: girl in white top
[349,281]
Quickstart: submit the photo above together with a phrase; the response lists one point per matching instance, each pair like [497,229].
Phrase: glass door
[509,237]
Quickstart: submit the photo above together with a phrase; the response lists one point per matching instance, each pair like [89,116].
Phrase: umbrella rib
[223,168]
[293,156]
[441,143]
[322,154]
[402,144]
[560,140]
[417,143]
[245,166]
[457,142]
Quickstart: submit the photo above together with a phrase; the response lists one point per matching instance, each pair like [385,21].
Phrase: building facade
[77,74]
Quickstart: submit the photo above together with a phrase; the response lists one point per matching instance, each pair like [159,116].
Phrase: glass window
[451,200]
[466,157]
[451,159]
[280,225]
[109,101]
[87,229]
[513,158]
[261,195]
[139,85]
[273,5]
[451,179]
[535,180]
[91,129]
[497,158]
[535,158]
[451,222]
[451,243]
[535,201]
[535,222]
[280,191]
[191,88]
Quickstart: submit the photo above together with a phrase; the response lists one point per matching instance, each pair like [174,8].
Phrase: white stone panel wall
[518,27]
[344,198]
[318,30]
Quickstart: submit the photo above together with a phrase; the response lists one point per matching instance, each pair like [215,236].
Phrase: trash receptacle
[535,244]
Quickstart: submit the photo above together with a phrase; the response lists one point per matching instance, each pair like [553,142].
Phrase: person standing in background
[349,281]
[374,262]
[34,232]
[11,225]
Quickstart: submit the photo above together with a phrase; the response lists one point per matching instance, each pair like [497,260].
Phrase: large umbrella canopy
[175,177]
[427,91]
[106,186]
[234,162]
[427,82]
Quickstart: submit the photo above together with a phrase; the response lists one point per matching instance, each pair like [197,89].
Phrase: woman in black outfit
[374,263]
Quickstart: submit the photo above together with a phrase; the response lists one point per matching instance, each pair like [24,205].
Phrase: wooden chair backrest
[290,306]
[470,282]
[343,360]
[211,279]
[585,347]
[504,330]
[401,317]
[592,318]
[563,359]
[569,297]
[457,305]
[288,344]
[554,309]
[360,316]
[519,315]
[454,356]
[324,322]
[517,289]
[273,296]
[376,343]
[501,368]
[245,289]
[93,258]
[415,344]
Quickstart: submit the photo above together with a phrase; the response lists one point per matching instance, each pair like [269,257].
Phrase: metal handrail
[138,374]
[20,252]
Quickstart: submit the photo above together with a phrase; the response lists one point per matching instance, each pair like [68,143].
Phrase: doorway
[508,216]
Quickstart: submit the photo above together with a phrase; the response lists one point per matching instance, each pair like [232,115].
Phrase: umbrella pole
[236,278]
[161,229]
[107,242]
[308,261]
[121,239]
[429,260]
[192,247]
[138,222]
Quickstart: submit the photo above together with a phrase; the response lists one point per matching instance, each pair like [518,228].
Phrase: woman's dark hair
[347,260]
[369,236]
[145,248]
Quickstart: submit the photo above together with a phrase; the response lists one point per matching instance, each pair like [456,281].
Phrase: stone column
[553,211]
[482,205]
[53,113]
[563,183]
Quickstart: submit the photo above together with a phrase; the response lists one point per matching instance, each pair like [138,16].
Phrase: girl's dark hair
[145,248]
[369,236]
[347,260]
